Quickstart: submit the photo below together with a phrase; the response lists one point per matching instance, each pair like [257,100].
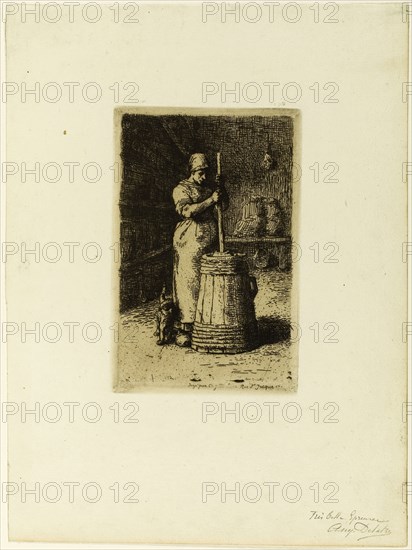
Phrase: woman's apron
[193,237]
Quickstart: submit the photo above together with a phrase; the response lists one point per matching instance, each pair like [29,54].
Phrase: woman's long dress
[193,237]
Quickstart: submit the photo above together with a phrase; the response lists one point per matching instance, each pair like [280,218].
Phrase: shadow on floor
[273,330]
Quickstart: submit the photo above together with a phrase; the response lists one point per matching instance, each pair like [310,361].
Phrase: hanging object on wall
[267,162]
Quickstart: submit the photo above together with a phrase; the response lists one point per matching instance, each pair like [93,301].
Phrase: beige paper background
[171,452]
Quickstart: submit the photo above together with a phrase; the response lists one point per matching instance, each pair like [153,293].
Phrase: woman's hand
[216,196]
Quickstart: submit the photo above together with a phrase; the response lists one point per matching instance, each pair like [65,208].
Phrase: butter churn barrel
[225,319]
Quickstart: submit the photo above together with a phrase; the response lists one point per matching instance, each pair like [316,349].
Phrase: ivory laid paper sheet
[205,257]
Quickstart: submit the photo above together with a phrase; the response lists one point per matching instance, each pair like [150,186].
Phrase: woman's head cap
[198,161]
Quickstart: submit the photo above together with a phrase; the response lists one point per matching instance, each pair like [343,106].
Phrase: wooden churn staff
[219,212]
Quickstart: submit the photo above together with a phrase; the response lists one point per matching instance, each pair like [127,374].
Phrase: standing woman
[195,235]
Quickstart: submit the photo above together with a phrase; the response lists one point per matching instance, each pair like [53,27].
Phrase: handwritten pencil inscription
[356,525]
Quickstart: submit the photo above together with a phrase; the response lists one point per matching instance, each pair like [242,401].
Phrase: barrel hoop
[226,349]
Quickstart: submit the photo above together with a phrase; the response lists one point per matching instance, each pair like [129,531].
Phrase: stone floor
[273,366]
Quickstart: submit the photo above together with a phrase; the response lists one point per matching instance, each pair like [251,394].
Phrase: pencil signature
[353,524]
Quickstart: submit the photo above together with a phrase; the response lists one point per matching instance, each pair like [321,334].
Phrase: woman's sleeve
[181,198]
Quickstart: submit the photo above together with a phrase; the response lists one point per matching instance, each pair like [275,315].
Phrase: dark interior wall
[155,153]
[243,142]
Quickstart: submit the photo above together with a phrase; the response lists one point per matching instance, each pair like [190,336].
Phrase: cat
[164,319]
